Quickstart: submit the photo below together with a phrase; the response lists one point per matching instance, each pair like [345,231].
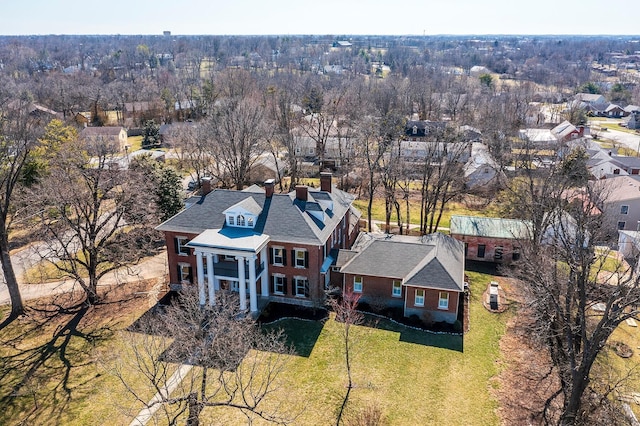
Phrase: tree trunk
[195,408]
[17,308]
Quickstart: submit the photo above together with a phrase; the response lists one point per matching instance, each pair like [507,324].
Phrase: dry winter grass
[55,369]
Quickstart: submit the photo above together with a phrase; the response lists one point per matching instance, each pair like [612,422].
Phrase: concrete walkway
[154,405]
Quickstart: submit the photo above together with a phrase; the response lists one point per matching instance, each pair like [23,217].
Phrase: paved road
[152,267]
[627,139]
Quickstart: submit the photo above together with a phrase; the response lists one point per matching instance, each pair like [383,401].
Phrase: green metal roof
[493,227]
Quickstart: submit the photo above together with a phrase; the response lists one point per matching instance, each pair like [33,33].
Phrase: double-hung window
[184,273]
[180,243]
[397,288]
[419,297]
[278,255]
[300,258]
[624,209]
[357,284]
[302,286]
[443,300]
[278,284]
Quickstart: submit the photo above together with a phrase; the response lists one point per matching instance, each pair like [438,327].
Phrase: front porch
[235,260]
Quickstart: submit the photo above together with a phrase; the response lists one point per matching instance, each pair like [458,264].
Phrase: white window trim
[621,207]
[393,287]
[361,284]
[440,299]
[415,300]
[273,254]
[295,256]
[274,284]
[179,239]
[295,283]
[181,278]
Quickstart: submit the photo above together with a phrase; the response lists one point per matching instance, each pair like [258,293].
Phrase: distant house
[634,120]
[538,137]
[113,137]
[615,111]
[419,151]
[419,130]
[629,244]
[490,239]
[481,171]
[595,100]
[620,200]
[423,276]
[566,131]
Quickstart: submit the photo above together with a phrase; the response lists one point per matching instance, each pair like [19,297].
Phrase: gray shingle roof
[282,216]
[432,261]
[492,227]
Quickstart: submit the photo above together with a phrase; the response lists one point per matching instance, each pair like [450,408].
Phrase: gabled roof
[248,204]
[431,261]
[491,227]
[283,217]
[101,131]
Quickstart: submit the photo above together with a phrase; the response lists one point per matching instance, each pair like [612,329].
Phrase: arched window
[240,220]
[250,222]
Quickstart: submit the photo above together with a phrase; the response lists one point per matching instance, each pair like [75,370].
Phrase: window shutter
[190,277]
[294,260]
[271,256]
[284,257]
[284,282]
[306,289]
[273,284]
[179,276]
[306,259]
[175,244]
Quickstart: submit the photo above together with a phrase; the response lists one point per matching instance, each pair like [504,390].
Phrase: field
[69,358]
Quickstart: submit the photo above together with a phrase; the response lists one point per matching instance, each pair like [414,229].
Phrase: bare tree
[237,365]
[94,218]
[18,137]
[441,177]
[347,313]
[238,136]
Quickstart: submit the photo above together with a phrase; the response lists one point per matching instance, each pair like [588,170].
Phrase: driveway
[151,267]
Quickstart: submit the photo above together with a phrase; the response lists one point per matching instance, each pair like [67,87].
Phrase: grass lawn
[453,208]
[399,370]
[135,143]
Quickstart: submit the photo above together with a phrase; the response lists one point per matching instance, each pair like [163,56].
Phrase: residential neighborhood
[319,229]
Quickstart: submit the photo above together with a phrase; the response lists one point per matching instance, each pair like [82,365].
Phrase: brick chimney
[301,192]
[205,187]
[269,186]
[325,181]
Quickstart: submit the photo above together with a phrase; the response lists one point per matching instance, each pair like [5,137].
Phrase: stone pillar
[200,271]
[211,278]
[242,283]
[253,297]
[264,277]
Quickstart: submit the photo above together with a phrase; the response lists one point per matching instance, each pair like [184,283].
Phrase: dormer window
[231,220]
[415,130]
[240,220]
[250,222]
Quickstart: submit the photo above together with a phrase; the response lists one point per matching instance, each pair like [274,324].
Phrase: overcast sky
[417,17]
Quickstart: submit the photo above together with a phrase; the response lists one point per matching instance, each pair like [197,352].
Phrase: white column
[264,277]
[253,297]
[242,283]
[200,271]
[211,275]
[216,281]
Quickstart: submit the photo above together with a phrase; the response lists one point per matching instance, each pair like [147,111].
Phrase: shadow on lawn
[39,374]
